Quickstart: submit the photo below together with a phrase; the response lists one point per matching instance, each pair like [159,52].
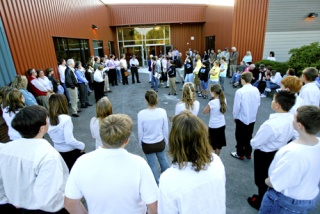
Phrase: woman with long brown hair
[188,101]
[153,133]
[217,123]
[61,130]
[196,180]
[103,110]
[14,103]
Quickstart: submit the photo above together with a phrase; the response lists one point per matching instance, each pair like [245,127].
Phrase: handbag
[157,75]
[126,74]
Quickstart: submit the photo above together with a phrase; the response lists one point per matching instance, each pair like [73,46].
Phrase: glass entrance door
[155,50]
[134,50]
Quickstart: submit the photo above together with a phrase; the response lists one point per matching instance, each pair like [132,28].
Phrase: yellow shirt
[198,66]
[216,76]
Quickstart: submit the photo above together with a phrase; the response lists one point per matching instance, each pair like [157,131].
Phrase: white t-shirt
[271,58]
[112,181]
[295,172]
[8,117]
[181,106]
[32,175]
[153,125]
[187,191]
[95,131]
[217,119]
[299,102]
[62,69]
[310,94]
[62,135]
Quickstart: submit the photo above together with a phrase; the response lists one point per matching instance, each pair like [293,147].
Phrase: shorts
[204,85]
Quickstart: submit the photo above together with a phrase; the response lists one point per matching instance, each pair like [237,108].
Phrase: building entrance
[129,51]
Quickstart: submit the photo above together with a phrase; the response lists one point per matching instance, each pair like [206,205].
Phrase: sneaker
[267,89]
[167,86]
[254,202]
[235,155]
[169,94]
[175,94]
[205,97]
[199,95]
[263,96]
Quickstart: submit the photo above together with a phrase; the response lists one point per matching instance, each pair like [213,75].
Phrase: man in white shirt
[62,68]
[134,63]
[110,179]
[245,108]
[273,134]
[38,180]
[310,92]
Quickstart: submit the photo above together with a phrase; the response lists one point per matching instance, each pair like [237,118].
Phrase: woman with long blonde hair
[188,101]
[103,110]
[196,180]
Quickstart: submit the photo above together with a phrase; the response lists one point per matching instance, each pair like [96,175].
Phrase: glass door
[129,51]
[155,50]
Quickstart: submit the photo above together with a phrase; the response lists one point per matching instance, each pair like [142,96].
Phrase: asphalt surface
[129,99]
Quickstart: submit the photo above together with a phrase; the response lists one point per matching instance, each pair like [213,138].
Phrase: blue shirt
[80,76]
[29,99]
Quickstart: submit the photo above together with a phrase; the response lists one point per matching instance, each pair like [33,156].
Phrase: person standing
[154,74]
[195,183]
[223,72]
[212,58]
[82,86]
[112,73]
[32,173]
[172,78]
[71,84]
[134,63]
[188,101]
[110,179]
[233,61]
[98,83]
[124,67]
[153,134]
[310,92]
[62,68]
[149,67]
[245,108]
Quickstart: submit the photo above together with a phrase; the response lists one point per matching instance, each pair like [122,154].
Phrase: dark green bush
[282,67]
[305,56]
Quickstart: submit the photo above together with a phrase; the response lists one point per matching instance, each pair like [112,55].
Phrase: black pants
[243,137]
[10,209]
[71,157]
[98,90]
[124,78]
[262,161]
[112,74]
[83,93]
[134,71]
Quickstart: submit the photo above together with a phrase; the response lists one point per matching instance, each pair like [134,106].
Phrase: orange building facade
[33,27]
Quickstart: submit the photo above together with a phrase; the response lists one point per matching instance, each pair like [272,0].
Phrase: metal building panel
[248,27]
[155,14]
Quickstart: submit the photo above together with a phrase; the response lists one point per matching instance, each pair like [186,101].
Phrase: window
[98,48]
[67,48]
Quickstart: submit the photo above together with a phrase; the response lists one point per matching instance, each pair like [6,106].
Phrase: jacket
[71,81]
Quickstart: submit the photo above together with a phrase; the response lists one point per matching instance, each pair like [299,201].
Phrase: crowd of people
[55,179]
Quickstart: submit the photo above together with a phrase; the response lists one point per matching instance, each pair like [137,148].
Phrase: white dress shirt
[134,62]
[62,135]
[32,175]
[246,104]
[95,131]
[310,94]
[274,133]
[189,192]
[181,106]
[98,76]
[152,126]
[46,83]
[62,69]
[276,78]
[39,85]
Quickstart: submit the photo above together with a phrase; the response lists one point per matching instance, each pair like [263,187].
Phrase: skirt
[217,137]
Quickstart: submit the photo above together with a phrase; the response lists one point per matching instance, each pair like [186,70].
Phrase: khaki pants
[233,69]
[73,99]
[173,89]
[106,83]
[43,101]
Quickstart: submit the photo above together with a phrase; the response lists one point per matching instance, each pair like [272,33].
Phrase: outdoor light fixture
[312,15]
[95,27]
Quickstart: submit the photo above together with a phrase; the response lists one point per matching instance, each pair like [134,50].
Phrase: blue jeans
[256,84]
[152,161]
[66,92]
[221,80]
[119,78]
[276,202]
[154,83]
[235,78]
[189,78]
[270,85]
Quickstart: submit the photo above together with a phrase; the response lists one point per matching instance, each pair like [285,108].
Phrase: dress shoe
[138,82]
[109,91]
[88,104]
[84,106]
[79,110]
[75,115]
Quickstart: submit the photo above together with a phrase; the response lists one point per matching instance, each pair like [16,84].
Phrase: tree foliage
[282,67]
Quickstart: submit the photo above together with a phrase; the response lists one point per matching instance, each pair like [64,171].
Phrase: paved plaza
[129,99]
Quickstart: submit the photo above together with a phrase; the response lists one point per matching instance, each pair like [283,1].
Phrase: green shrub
[305,56]
[282,67]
